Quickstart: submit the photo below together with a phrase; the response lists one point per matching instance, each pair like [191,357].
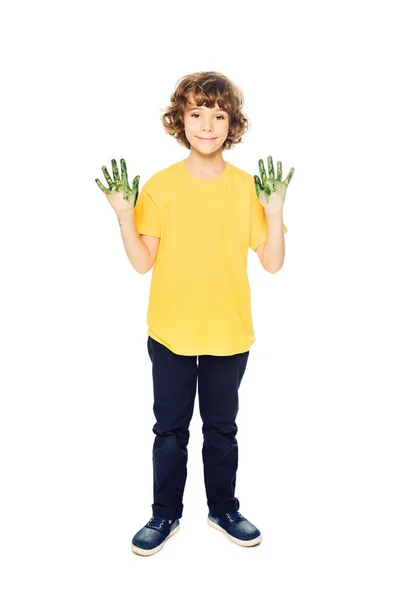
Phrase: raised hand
[271,191]
[121,197]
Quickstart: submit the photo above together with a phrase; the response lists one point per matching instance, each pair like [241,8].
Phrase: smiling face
[205,128]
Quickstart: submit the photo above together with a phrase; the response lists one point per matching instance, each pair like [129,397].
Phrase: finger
[271,171]
[115,170]
[107,176]
[101,186]
[124,173]
[135,187]
[258,185]
[262,171]
[279,174]
[289,177]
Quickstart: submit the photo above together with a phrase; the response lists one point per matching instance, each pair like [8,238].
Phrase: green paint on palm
[120,184]
[269,184]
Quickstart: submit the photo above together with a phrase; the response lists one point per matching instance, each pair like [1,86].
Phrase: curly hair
[207,88]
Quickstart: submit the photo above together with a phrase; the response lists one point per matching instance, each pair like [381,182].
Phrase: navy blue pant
[174,382]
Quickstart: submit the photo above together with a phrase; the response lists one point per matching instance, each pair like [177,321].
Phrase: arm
[271,192]
[123,200]
[136,250]
[273,251]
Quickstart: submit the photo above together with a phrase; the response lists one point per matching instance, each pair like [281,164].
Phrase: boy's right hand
[120,196]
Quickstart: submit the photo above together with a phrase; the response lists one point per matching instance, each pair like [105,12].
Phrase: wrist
[127,215]
[276,214]
[126,219]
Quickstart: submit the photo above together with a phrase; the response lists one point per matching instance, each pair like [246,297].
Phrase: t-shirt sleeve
[147,215]
[258,221]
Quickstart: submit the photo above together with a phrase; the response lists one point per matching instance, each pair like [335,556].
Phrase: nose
[207,124]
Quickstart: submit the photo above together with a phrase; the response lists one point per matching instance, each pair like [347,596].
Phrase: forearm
[135,248]
[274,247]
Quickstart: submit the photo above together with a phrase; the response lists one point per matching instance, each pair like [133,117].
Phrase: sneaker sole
[150,551]
[254,542]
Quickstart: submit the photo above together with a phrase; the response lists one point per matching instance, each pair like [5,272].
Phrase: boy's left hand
[270,191]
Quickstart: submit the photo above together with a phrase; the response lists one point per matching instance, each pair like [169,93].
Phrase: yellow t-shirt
[200,299]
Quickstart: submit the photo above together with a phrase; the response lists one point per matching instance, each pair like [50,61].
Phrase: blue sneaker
[238,529]
[152,537]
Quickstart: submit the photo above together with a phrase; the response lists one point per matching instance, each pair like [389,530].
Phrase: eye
[197,115]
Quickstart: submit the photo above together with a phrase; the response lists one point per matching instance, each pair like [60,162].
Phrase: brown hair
[207,88]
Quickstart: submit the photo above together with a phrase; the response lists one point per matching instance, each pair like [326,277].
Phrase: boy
[194,221]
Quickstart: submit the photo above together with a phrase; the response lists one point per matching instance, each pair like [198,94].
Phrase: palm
[271,190]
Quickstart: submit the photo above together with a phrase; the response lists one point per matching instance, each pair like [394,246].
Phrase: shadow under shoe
[152,537]
[238,529]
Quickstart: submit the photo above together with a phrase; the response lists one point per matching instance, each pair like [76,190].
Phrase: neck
[205,164]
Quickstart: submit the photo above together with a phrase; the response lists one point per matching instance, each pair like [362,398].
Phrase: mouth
[206,139]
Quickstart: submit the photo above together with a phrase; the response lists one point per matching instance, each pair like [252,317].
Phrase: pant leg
[174,384]
[219,380]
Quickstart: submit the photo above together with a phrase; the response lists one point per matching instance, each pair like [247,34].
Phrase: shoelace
[234,516]
[156,522]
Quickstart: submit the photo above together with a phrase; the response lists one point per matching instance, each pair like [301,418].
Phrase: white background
[319,402]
